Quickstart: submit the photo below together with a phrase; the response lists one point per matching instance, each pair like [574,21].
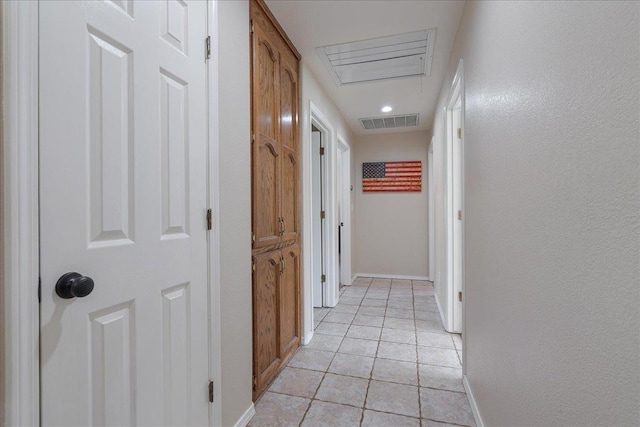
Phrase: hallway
[379,358]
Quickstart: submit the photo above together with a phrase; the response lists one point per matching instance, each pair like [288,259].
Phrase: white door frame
[456,92]
[20,275]
[318,119]
[345,270]
[317,233]
[21,321]
[431,213]
[215,332]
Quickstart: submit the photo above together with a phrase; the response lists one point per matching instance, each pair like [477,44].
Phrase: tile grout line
[373,366]
[417,356]
[366,393]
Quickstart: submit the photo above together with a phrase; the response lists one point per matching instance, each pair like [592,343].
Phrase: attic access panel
[402,55]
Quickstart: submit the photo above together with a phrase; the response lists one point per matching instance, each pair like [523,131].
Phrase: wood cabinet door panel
[267,148]
[290,301]
[266,192]
[267,355]
[289,136]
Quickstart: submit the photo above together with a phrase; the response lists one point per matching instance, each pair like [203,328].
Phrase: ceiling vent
[403,55]
[372,123]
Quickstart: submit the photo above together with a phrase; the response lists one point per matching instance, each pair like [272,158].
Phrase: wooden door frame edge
[20,275]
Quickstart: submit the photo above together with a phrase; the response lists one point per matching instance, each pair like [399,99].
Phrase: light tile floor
[380,358]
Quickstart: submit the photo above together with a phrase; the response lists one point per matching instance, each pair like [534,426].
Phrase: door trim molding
[456,91]
[20,274]
[431,202]
[215,331]
[318,119]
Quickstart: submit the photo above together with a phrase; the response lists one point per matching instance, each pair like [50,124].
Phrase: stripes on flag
[392,177]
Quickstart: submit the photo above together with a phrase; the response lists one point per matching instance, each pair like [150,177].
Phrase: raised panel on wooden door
[290,300]
[266,317]
[266,153]
[290,153]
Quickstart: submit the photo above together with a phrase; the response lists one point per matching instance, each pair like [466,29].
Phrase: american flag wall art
[399,177]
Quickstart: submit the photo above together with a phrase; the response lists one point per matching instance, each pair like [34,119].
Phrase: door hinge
[322,214]
[210,391]
[252,29]
[207,48]
[255,383]
[253,137]
[460,296]
[253,266]
[253,237]
[459,133]
[322,151]
[323,278]
[460,215]
[209,219]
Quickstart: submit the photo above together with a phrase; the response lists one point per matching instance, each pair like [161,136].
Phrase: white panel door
[123,173]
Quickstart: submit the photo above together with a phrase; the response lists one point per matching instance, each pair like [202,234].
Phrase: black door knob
[74,285]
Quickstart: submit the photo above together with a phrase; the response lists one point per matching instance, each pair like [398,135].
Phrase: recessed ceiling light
[386,109]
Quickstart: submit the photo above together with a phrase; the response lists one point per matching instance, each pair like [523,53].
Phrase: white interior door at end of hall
[123,193]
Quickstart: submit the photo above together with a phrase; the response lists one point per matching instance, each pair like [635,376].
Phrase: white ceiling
[314,23]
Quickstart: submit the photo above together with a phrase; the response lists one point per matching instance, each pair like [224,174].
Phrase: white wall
[551,210]
[235,210]
[392,235]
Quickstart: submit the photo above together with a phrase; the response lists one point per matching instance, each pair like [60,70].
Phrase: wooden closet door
[267,355]
[266,149]
[290,153]
[290,301]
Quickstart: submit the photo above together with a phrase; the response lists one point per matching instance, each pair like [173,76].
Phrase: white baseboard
[472,402]
[389,276]
[307,338]
[353,278]
[246,417]
[442,316]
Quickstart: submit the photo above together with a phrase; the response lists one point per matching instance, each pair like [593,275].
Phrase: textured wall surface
[235,210]
[552,210]
[392,235]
